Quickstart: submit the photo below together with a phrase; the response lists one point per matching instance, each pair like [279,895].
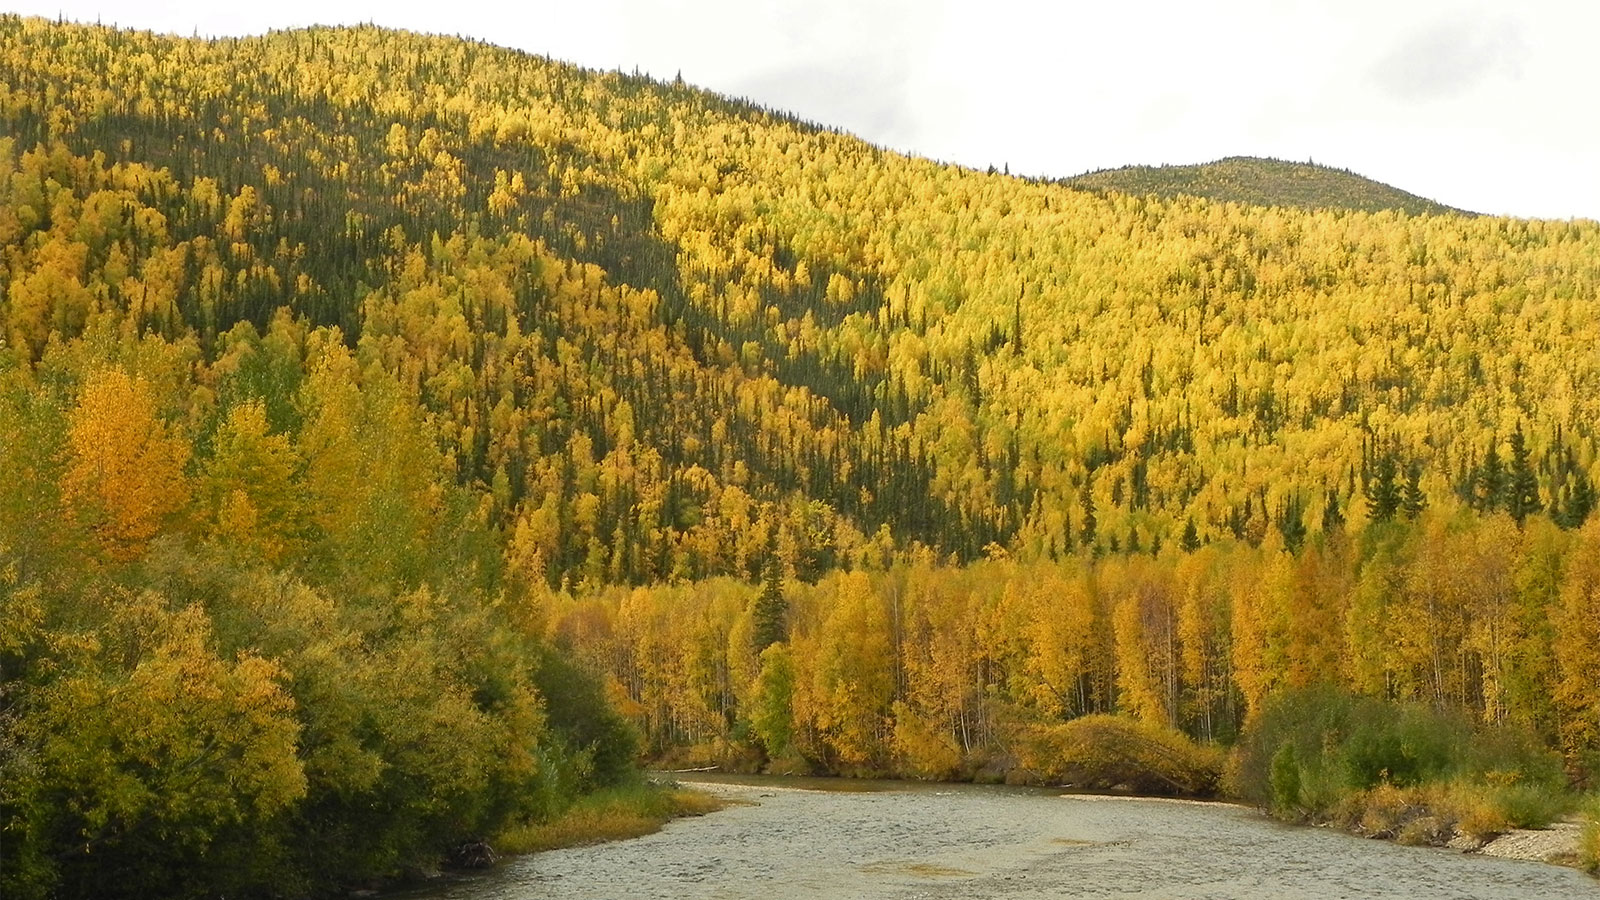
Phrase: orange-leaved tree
[125,471]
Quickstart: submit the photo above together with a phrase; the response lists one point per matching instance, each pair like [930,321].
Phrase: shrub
[1104,752]
[1530,805]
[1589,842]
[1393,769]
[603,743]
[1400,744]
[1474,811]
[1285,780]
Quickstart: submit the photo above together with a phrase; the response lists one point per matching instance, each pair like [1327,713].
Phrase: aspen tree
[125,471]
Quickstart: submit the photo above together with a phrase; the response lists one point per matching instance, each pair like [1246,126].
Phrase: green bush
[1589,843]
[605,744]
[1378,766]
[1530,805]
[1280,763]
[1285,779]
[1397,744]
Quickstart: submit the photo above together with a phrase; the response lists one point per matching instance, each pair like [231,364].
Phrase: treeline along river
[792,838]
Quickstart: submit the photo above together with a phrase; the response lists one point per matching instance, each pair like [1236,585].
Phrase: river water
[896,840]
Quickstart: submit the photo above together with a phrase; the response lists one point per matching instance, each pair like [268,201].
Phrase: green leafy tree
[771,713]
[151,757]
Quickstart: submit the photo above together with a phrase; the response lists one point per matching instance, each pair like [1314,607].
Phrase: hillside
[1262,182]
[849,339]
[354,381]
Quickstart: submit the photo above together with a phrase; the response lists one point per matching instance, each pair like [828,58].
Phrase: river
[897,840]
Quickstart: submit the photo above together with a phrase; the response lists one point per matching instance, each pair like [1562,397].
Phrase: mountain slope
[664,324]
[1263,182]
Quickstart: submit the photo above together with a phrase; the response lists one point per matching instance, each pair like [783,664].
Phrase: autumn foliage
[347,372]
[925,670]
[126,473]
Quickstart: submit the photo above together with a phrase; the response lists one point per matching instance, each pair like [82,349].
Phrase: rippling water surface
[951,841]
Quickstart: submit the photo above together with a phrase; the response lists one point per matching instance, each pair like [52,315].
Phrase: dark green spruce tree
[1190,541]
[1412,500]
[1292,523]
[1382,490]
[1522,485]
[1577,502]
[771,609]
[1332,515]
[1088,527]
[1491,482]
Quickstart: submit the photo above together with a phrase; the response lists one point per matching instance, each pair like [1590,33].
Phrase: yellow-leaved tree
[159,748]
[125,471]
[1577,645]
[250,486]
[854,674]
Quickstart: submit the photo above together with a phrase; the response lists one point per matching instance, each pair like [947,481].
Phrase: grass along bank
[615,813]
[1589,838]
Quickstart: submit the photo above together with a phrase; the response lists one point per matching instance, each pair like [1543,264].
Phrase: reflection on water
[889,839]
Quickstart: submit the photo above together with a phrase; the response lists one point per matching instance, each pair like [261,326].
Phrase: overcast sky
[1485,106]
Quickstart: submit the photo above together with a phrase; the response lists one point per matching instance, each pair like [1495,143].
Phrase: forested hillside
[347,371]
[607,294]
[1263,182]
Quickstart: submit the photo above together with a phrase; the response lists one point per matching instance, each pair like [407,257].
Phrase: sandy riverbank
[1556,844]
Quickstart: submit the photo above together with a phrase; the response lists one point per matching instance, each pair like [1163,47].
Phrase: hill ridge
[1133,178]
[1263,181]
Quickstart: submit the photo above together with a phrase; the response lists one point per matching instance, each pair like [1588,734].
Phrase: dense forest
[354,383]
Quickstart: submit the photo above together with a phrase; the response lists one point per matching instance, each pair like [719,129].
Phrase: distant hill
[1263,182]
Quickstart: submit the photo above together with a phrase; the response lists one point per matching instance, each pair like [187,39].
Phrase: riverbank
[611,814]
[954,841]
[1463,818]
[1560,844]
[1556,840]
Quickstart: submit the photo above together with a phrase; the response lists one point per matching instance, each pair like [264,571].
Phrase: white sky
[1488,106]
